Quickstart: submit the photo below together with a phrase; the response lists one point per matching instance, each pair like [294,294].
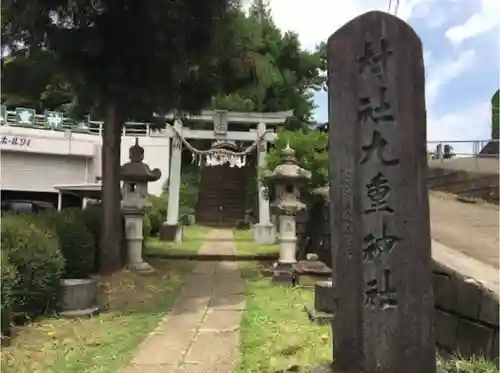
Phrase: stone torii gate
[264,230]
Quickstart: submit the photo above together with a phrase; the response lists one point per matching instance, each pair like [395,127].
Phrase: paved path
[467,266]
[468,228]
[201,332]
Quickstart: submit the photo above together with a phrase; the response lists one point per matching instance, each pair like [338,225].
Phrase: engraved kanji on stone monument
[373,246]
[378,190]
[380,146]
[379,217]
[378,110]
[381,295]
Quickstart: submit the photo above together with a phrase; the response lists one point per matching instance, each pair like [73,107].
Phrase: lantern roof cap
[289,169]
[136,170]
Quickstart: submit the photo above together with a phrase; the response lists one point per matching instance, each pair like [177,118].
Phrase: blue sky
[461,40]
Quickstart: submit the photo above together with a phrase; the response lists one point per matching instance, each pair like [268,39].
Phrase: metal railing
[89,127]
[466,155]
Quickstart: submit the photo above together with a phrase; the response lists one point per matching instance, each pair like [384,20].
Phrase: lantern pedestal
[134,237]
[283,273]
[286,178]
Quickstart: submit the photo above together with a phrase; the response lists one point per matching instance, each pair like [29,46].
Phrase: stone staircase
[221,200]
[464,183]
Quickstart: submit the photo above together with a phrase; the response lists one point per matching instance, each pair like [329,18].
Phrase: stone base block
[264,234]
[309,280]
[324,298]
[319,317]
[283,275]
[141,268]
[87,312]
[330,368]
[171,232]
[324,368]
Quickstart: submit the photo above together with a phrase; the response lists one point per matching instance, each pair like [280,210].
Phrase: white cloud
[486,19]
[445,71]
[315,20]
[467,124]
[434,14]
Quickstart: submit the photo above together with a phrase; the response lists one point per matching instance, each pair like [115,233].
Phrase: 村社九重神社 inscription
[376,110]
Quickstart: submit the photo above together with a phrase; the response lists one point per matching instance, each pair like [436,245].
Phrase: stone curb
[214,257]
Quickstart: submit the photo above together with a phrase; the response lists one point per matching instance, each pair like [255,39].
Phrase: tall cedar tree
[121,56]
[270,70]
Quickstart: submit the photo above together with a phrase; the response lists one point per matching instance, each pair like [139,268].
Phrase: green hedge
[157,213]
[92,218]
[146,227]
[10,279]
[37,250]
[33,250]
[76,242]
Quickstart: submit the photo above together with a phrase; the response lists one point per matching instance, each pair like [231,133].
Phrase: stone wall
[467,313]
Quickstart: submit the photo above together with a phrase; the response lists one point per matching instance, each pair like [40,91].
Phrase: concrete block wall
[467,314]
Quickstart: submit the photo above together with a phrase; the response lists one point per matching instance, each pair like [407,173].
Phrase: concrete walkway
[471,229]
[201,332]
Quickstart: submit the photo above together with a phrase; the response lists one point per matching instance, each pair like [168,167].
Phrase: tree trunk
[111,237]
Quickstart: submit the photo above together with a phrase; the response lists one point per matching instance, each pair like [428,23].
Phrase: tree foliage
[495,114]
[310,150]
[269,70]
[128,59]
[116,55]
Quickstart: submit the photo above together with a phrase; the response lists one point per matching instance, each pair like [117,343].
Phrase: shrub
[33,250]
[10,278]
[146,227]
[76,242]
[242,225]
[157,213]
[92,218]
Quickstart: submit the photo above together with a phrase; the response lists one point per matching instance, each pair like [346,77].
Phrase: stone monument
[311,270]
[286,178]
[381,246]
[135,176]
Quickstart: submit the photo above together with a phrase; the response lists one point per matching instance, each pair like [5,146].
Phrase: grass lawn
[246,246]
[192,240]
[134,305]
[276,333]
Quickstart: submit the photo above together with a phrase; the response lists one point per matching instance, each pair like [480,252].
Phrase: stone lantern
[135,176]
[287,178]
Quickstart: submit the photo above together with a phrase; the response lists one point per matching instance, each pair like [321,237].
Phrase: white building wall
[40,159]
[40,172]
